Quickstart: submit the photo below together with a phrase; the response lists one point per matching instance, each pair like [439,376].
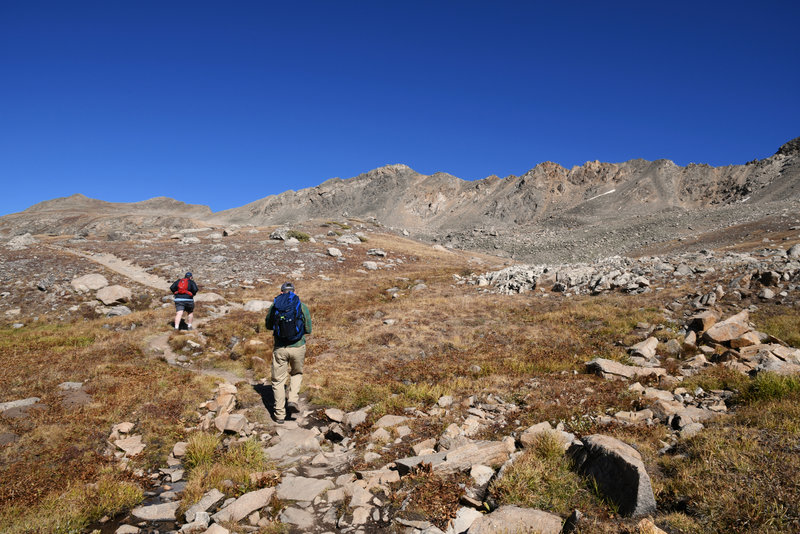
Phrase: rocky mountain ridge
[549,213]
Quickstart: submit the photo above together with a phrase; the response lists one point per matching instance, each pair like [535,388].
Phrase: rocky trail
[123,267]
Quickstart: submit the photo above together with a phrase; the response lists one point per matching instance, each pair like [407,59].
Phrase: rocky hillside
[399,196]
[548,214]
[78,214]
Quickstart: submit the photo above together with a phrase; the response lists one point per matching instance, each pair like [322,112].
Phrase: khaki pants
[286,361]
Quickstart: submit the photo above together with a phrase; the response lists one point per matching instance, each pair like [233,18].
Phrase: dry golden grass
[59,449]
[446,339]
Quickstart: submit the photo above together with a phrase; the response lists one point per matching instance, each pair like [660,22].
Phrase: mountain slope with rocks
[548,199]
[549,214]
[78,214]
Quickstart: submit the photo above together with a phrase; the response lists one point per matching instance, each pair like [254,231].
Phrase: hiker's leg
[189,318]
[178,315]
[279,374]
[297,357]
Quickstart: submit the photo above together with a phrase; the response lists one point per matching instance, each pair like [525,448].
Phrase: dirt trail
[159,345]
[123,267]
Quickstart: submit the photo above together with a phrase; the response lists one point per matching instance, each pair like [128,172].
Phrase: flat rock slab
[257,305]
[516,519]
[294,441]
[210,499]
[132,445]
[491,453]
[731,328]
[614,370]
[389,421]
[302,488]
[114,295]
[21,403]
[156,512]
[244,505]
[234,423]
[619,472]
[89,282]
[297,517]
[335,414]
[405,465]
[209,297]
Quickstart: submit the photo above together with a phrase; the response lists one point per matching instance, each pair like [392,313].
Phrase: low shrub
[300,236]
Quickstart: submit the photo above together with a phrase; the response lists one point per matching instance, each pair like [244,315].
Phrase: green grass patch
[771,386]
[782,325]
[227,470]
[75,508]
[541,477]
[300,236]
[740,474]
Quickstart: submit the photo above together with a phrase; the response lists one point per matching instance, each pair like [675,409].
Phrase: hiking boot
[279,421]
[292,408]
[189,327]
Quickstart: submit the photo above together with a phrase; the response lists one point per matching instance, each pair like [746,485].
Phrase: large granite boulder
[618,471]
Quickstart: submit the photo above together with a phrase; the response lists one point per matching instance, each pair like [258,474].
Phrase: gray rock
[348,239]
[614,370]
[294,441]
[335,414]
[646,348]
[118,311]
[516,519]
[461,459]
[209,500]
[464,519]
[405,465]
[89,282]
[619,472]
[334,252]
[298,517]
[209,297]
[730,328]
[21,242]
[115,294]
[257,305]
[132,445]
[156,512]
[234,422]
[280,234]
[353,419]
[389,421]
[302,488]
[21,403]
[244,505]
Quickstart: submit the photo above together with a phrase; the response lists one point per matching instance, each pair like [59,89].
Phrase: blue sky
[223,103]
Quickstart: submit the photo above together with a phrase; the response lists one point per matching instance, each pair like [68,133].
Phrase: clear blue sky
[223,103]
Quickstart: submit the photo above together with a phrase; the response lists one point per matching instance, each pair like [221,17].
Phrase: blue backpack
[287,323]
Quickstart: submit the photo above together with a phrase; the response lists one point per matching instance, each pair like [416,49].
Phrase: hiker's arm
[268,322]
[174,287]
[193,287]
[306,318]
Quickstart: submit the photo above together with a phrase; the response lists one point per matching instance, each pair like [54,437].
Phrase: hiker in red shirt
[184,290]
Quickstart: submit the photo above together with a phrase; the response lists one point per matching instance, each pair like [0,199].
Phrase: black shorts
[184,305]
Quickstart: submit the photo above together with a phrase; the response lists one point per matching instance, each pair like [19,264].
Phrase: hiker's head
[188,275]
[287,287]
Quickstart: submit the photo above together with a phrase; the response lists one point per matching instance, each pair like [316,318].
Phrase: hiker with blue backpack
[290,321]
[184,289]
